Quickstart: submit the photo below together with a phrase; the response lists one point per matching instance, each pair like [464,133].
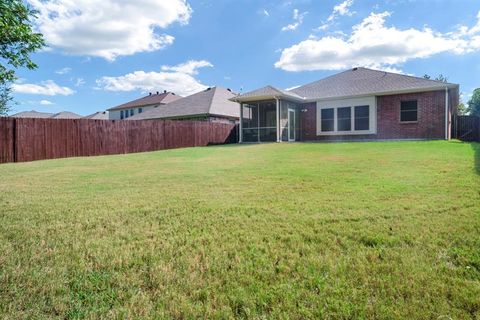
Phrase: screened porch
[269,121]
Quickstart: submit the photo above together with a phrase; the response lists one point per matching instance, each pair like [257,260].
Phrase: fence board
[6,140]
[466,128]
[24,139]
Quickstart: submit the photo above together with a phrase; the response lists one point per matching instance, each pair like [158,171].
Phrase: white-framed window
[347,116]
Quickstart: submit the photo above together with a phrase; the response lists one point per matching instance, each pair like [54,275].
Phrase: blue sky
[103,53]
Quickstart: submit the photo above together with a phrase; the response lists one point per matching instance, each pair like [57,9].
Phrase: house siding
[430,124]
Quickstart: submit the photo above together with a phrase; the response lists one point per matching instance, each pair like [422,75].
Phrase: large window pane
[362,118]
[344,119]
[408,111]
[327,119]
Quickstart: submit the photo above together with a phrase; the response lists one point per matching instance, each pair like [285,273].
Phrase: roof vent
[355,69]
[164,91]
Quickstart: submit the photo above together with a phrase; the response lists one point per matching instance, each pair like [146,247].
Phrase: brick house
[211,104]
[358,104]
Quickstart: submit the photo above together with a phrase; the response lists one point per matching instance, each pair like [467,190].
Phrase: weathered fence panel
[6,140]
[24,139]
[466,128]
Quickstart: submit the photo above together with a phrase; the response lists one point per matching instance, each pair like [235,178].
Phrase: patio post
[240,129]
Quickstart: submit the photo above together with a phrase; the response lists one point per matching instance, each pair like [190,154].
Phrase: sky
[102,53]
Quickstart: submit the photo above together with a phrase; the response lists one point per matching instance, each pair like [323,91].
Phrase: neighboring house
[46,115]
[100,115]
[358,104]
[141,105]
[212,104]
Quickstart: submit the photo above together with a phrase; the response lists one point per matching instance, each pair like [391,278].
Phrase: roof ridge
[404,75]
[327,77]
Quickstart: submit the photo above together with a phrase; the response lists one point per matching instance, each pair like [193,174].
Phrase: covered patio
[269,115]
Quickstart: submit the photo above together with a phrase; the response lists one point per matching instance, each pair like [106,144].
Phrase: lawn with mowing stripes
[385,230]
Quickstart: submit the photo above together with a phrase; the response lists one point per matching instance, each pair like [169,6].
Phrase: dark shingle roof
[100,115]
[363,81]
[213,101]
[162,98]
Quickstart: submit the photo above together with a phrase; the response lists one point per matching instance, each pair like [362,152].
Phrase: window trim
[370,101]
[400,112]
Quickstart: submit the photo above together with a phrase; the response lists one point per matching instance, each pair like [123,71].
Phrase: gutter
[447,107]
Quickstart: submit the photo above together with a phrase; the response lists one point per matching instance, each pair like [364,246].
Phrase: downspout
[446,113]
[278,119]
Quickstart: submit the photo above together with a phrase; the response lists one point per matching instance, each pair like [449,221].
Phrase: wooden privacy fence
[466,128]
[23,139]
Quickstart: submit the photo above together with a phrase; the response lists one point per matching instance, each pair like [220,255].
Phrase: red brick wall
[431,116]
[430,124]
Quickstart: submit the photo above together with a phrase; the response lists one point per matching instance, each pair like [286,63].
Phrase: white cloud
[189,67]
[298,20]
[45,102]
[341,9]
[63,70]
[109,28]
[79,82]
[373,44]
[47,88]
[179,79]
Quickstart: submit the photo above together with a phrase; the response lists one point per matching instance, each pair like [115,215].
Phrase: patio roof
[268,92]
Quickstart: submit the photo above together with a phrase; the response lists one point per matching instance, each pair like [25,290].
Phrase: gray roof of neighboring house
[66,115]
[151,99]
[100,115]
[350,83]
[213,101]
[46,115]
[363,81]
[32,114]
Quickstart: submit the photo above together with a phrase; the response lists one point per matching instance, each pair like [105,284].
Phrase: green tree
[474,103]
[440,77]
[462,109]
[17,41]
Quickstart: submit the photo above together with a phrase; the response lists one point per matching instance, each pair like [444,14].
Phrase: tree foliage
[17,41]
[474,103]
[462,109]
[440,77]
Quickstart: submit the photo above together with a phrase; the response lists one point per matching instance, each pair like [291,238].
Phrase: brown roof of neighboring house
[151,99]
[212,101]
[100,115]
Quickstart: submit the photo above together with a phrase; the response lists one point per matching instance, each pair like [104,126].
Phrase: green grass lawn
[351,230]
